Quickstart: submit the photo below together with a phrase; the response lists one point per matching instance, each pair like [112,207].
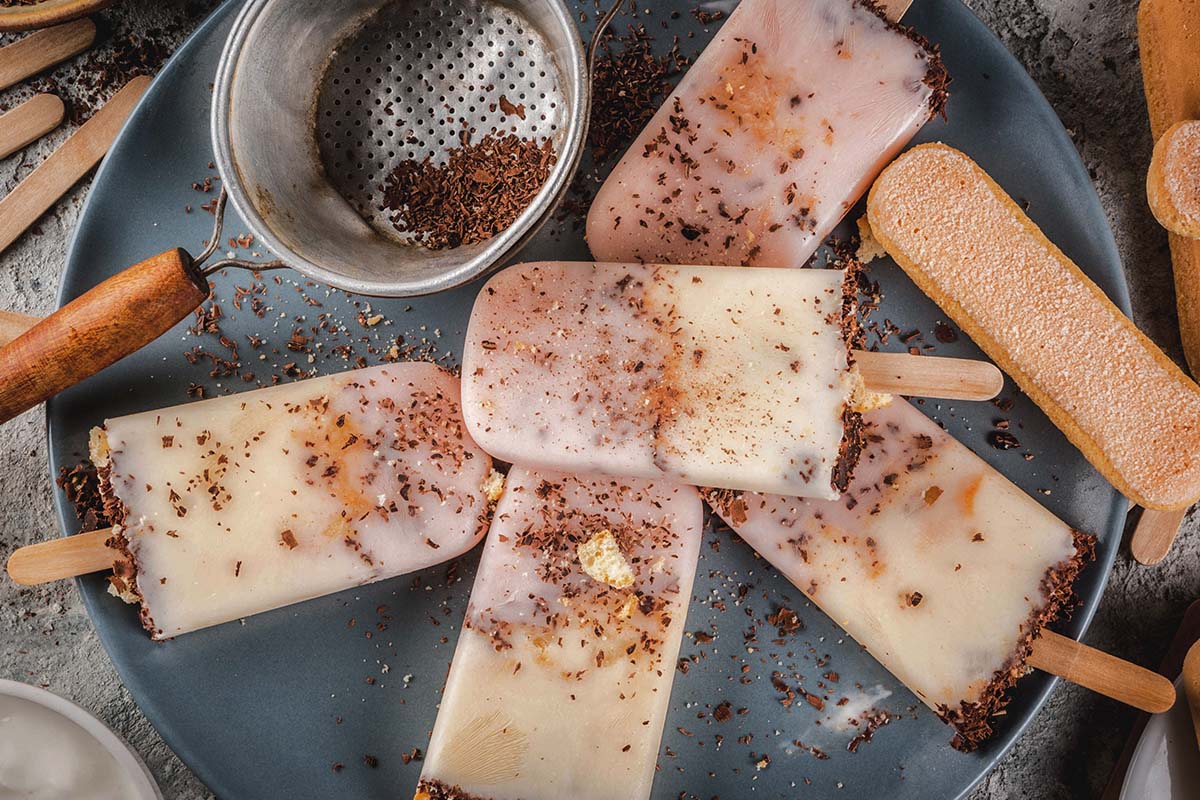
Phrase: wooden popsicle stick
[29,121]
[31,54]
[929,376]
[1191,686]
[62,558]
[1154,534]
[42,188]
[13,325]
[1108,675]
[895,9]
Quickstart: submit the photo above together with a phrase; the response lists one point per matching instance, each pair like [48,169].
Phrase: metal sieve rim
[576,70]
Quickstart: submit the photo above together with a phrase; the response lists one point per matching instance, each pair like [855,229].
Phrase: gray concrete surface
[1082,53]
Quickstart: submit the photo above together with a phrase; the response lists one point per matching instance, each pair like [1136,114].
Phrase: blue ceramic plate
[267,707]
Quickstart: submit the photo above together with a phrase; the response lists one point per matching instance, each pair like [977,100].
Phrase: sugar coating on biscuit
[986,264]
[601,559]
[1181,170]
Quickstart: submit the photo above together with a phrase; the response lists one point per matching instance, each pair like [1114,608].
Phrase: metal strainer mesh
[409,82]
[317,102]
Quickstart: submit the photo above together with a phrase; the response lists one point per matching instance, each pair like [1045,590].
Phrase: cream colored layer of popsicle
[772,135]
[735,378]
[932,560]
[245,503]
[560,683]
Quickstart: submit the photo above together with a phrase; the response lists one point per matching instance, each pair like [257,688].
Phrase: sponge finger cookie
[1173,182]
[1130,410]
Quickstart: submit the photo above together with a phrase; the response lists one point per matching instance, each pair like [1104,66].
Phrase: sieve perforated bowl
[316,103]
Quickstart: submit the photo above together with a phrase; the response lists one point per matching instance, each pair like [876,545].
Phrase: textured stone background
[1083,55]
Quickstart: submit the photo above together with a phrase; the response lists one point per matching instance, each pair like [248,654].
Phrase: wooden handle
[29,122]
[13,325]
[66,165]
[107,323]
[62,558]
[1154,534]
[1191,686]
[31,54]
[1110,676]
[929,376]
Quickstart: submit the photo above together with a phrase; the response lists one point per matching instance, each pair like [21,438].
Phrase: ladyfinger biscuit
[1173,182]
[1168,41]
[1116,396]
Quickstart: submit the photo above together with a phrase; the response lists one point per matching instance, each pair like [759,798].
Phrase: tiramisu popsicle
[241,504]
[560,683]
[772,135]
[737,378]
[1130,410]
[932,560]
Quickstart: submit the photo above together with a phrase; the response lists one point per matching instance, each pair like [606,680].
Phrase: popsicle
[237,505]
[772,135]
[932,560]
[1131,411]
[561,679]
[1173,181]
[703,375]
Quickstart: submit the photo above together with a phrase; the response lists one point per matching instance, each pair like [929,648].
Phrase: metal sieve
[317,102]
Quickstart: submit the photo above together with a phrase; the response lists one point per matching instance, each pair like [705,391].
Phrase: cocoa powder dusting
[479,192]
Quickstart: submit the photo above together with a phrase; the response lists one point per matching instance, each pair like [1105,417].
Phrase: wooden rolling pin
[1123,681]
[42,188]
[31,54]
[28,122]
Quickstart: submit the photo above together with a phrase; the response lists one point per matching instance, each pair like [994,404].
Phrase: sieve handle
[601,26]
[98,328]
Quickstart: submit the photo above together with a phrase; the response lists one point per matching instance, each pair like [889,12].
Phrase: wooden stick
[28,122]
[31,54]
[13,325]
[1110,676]
[1154,534]
[62,558]
[53,177]
[929,376]
[1191,686]
[894,9]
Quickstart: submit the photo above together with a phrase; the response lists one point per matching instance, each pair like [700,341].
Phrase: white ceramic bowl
[127,760]
[1166,761]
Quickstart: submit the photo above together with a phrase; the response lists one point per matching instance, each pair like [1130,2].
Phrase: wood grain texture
[42,188]
[929,376]
[31,54]
[1169,44]
[13,325]
[895,9]
[62,558]
[1172,665]
[105,324]
[1154,534]
[1108,675]
[29,121]
[45,14]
